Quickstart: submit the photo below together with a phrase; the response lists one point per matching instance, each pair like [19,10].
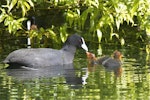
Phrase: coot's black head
[77,41]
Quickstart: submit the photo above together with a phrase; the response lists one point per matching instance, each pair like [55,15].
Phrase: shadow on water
[66,71]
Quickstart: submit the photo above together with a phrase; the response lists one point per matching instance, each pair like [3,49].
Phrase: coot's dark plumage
[43,57]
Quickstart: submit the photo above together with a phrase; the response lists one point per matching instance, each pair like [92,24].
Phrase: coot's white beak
[84,45]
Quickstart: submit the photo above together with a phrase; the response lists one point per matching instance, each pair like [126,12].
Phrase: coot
[106,61]
[111,64]
[44,57]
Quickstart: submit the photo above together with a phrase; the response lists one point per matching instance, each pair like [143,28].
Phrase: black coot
[43,57]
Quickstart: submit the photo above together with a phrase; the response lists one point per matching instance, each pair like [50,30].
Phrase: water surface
[78,81]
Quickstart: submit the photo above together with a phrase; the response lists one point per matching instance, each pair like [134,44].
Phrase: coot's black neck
[69,48]
[68,53]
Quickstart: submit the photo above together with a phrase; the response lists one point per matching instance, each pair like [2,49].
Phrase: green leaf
[12,4]
[118,22]
[84,16]
[134,7]
[23,10]
[115,34]
[21,19]
[26,5]
[122,41]
[70,17]
[8,20]
[63,33]
[99,35]
[30,2]
[10,28]
[95,4]
[148,30]
[3,15]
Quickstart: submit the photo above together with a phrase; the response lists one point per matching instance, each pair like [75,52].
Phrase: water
[78,81]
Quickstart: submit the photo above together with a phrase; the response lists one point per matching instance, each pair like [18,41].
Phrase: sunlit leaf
[21,19]
[115,34]
[148,31]
[99,35]
[3,15]
[52,34]
[134,7]
[84,16]
[10,28]
[14,27]
[7,20]
[33,34]
[148,49]
[92,24]
[118,24]
[23,10]
[70,17]
[39,36]
[26,5]
[78,11]
[122,41]
[30,2]
[99,50]
[12,4]
[95,4]
[63,34]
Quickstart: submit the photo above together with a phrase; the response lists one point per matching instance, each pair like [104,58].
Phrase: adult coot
[43,57]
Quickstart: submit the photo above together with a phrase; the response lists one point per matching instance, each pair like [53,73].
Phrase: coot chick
[110,63]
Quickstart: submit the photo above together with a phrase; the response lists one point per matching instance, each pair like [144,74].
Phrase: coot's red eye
[81,41]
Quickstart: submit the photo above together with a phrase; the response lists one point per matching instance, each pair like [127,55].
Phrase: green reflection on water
[133,84]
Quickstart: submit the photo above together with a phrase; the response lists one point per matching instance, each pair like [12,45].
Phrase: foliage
[100,17]
[10,20]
